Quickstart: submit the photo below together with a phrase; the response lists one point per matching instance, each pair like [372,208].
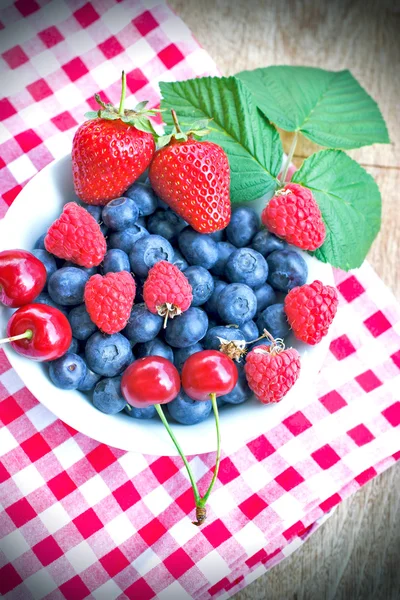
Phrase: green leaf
[252,144]
[143,124]
[330,108]
[92,114]
[350,203]
[141,105]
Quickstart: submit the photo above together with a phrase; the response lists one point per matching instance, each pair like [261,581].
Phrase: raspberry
[167,291]
[310,310]
[109,300]
[76,236]
[271,372]
[294,215]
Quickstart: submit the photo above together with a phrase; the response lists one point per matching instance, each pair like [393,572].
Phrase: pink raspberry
[271,372]
[109,300]
[310,309]
[294,215]
[76,236]
[167,291]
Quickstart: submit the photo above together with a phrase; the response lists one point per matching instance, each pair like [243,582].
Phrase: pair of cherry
[155,381]
[37,331]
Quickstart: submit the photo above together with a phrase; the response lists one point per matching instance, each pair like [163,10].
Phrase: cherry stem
[166,319]
[28,335]
[176,122]
[123,94]
[204,499]
[289,158]
[177,446]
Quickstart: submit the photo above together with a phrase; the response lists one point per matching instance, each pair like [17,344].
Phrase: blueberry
[212,341]
[116,260]
[89,270]
[67,285]
[287,269]
[90,379]
[155,347]
[225,249]
[148,251]
[249,330]
[124,240]
[74,346]
[241,392]
[121,213]
[217,236]
[142,221]
[187,329]
[166,223]
[187,411]
[44,298]
[162,204]
[68,372]
[266,242]
[108,355]
[48,260]
[140,413]
[247,266]
[212,323]
[142,326]
[95,211]
[220,402]
[182,354]
[139,290]
[243,225]
[107,396]
[262,342]
[211,306]
[237,304]
[274,320]
[179,261]
[265,295]
[197,248]
[39,244]
[144,198]
[104,230]
[81,324]
[202,284]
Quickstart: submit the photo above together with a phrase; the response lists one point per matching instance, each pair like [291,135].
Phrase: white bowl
[35,208]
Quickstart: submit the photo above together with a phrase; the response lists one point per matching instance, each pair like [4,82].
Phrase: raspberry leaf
[350,203]
[252,144]
[330,108]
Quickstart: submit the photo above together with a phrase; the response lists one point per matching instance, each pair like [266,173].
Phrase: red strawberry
[76,236]
[111,151]
[271,371]
[109,300]
[310,309]
[167,291]
[294,215]
[193,178]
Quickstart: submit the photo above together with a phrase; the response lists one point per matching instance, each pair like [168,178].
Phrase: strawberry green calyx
[197,129]
[139,117]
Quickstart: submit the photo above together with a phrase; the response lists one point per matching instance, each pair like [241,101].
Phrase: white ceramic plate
[35,208]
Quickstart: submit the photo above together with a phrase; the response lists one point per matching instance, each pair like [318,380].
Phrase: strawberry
[111,150]
[192,176]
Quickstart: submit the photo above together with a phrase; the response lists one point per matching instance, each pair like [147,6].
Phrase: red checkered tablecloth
[80,519]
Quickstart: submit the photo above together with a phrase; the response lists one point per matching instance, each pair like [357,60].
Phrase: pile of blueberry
[239,278]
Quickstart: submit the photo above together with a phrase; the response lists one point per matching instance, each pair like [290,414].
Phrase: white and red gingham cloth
[82,520]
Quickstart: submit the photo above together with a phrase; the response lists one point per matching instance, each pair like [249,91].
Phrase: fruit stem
[177,446]
[28,335]
[204,499]
[176,122]
[289,158]
[123,94]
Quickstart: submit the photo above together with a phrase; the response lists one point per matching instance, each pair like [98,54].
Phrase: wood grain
[355,555]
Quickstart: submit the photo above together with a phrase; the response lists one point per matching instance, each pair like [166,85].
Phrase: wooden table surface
[355,555]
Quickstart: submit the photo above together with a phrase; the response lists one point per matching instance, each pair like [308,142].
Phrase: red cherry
[150,380]
[44,332]
[208,372]
[22,277]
